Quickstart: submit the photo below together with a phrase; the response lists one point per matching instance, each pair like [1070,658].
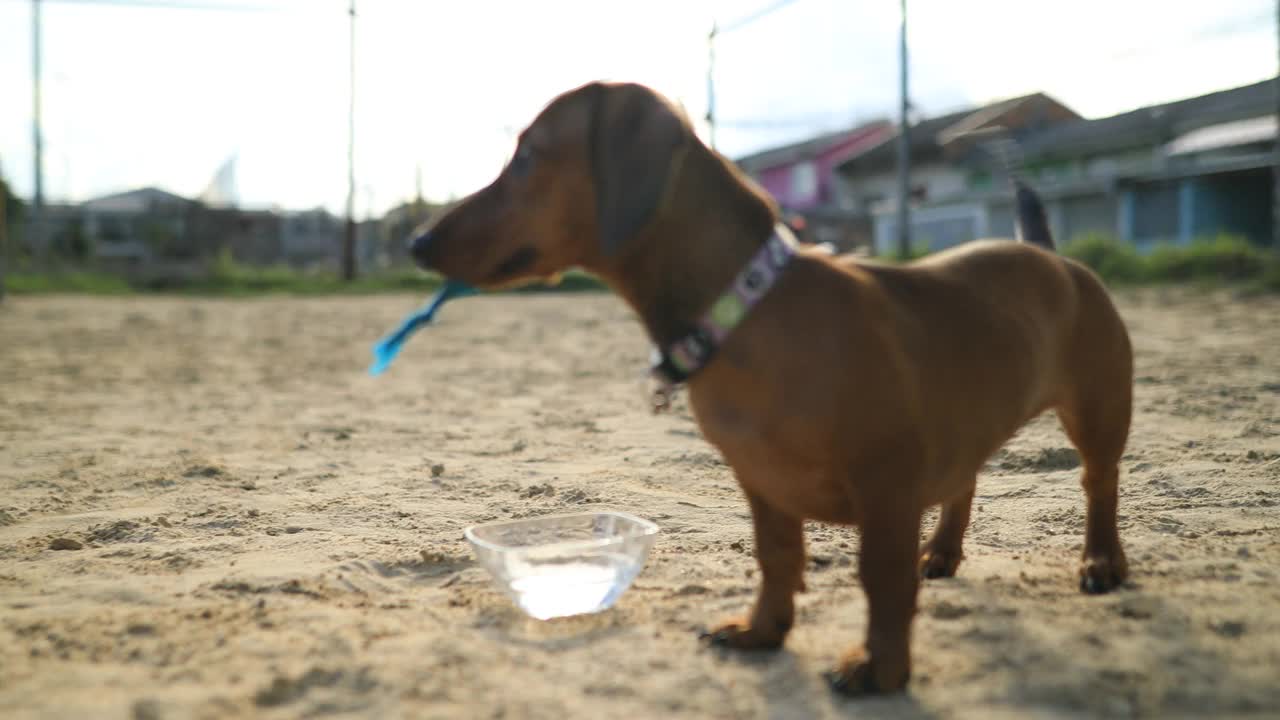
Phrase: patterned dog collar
[683,358]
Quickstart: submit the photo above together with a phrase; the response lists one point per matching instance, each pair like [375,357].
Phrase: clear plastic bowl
[560,565]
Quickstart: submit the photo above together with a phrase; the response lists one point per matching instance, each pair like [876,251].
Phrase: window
[804,181]
[980,180]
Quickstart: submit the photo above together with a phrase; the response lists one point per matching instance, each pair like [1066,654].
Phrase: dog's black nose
[420,246]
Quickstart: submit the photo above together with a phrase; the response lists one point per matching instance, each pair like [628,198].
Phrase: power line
[1224,29]
[784,123]
[716,30]
[748,19]
[185,5]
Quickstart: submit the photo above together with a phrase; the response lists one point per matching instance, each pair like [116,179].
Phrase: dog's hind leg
[943,551]
[779,546]
[1095,407]
[1098,431]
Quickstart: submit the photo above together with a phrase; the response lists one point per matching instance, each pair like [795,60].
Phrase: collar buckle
[671,366]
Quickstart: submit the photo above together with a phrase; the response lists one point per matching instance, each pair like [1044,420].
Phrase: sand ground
[263,530]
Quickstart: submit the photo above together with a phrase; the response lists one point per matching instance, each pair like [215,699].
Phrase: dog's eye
[522,160]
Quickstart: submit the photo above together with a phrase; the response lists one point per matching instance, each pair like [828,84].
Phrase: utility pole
[1275,169]
[349,237]
[904,147]
[36,239]
[711,85]
[4,229]
[716,31]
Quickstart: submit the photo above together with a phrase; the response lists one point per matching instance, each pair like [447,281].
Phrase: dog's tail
[1031,222]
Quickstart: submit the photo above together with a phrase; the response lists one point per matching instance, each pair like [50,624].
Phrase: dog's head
[587,175]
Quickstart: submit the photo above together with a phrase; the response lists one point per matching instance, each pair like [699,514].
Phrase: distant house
[315,237]
[153,231]
[801,178]
[1165,173]
[64,233]
[149,225]
[251,236]
[310,236]
[138,202]
[946,166]
[137,225]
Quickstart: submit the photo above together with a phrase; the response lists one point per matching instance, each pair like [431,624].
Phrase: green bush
[916,252]
[1115,261]
[1224,258]
[227,277]
[78,282]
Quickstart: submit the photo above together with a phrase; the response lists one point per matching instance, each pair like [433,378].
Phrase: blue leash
[386,349]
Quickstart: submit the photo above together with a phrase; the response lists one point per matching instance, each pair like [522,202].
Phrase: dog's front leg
[887,566]
[779,550]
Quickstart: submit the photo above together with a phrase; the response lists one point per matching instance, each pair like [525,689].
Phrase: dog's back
[991,267]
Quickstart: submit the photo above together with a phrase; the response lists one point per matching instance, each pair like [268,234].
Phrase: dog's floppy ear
[634,138]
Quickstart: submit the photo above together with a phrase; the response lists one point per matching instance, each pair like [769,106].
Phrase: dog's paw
[1100,573]
[861,675]
[938,564]
[741,635]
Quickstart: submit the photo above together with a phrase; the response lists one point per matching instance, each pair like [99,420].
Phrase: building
[133,227]
[252,237]
[1166,173]
[310,237]
[949,163]
[801,178]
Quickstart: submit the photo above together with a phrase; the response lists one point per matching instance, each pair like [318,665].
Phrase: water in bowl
[560,565]
[584,585]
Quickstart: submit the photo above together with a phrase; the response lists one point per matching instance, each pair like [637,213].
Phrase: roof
[806,149]
[929,136]
[315,212]
[1225,135]
[1154,124]
[140,200]
[976,120]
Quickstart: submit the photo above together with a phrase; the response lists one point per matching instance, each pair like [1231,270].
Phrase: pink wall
[778,180]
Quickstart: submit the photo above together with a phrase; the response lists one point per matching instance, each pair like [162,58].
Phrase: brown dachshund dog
[854,392]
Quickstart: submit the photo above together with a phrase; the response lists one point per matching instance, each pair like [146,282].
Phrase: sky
[159,96]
